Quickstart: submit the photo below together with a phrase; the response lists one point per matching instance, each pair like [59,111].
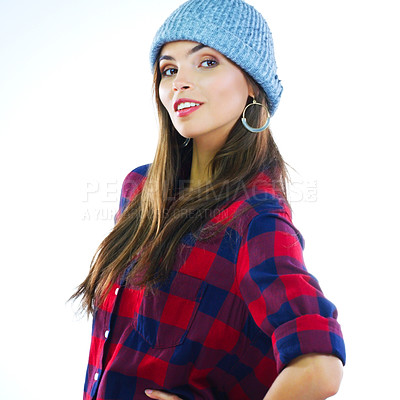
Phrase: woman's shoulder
[259,209]
[259,197]
[131,186]
[137,174]
[134,181]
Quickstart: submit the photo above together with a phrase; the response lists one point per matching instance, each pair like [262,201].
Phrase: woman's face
[202,75]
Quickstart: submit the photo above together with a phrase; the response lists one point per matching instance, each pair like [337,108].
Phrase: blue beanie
[232,27]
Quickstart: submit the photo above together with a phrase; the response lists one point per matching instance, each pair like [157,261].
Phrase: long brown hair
[164,210]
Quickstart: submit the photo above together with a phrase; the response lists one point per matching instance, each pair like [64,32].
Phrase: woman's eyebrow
[195,48]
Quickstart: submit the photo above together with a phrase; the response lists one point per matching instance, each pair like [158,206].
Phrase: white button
[106,334]
[116,291]
[96,376]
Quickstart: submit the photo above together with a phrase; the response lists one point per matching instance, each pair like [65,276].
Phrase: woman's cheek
[162,90]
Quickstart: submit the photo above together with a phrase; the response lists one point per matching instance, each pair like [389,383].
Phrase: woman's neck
[199,173]
[204,149]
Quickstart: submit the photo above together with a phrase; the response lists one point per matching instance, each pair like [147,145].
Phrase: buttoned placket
[107,330]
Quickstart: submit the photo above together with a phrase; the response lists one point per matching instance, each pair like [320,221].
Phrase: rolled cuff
[311,333]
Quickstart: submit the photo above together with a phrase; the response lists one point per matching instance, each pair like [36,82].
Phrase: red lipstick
[186,111]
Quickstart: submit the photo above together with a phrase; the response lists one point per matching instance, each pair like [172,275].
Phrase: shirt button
[116,291]
[96,376]
[106,334]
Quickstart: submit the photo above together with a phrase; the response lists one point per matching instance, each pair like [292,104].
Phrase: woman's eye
[172,71]
[209,63]
[166,73]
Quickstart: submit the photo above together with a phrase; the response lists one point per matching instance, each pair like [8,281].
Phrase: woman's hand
[158,394]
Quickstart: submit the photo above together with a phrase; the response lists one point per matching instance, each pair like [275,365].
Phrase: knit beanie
[232,27]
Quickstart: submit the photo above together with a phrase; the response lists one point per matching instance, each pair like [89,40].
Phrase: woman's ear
[252,93]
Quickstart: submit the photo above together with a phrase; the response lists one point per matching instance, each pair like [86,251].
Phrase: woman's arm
[308,377]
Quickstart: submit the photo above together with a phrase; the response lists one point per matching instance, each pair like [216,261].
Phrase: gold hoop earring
[250,128]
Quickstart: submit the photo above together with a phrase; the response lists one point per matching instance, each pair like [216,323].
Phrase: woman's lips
[187,111]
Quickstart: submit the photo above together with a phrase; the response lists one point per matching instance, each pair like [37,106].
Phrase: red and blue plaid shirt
[234,312]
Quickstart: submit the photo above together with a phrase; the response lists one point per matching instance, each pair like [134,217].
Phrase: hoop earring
[186,142]
[247,126]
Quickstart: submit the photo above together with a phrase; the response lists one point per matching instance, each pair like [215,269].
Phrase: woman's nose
[179,87]
[182,81]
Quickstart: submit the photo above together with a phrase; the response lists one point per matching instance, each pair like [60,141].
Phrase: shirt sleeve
[285,301]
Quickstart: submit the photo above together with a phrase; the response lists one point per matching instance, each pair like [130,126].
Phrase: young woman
[200,290]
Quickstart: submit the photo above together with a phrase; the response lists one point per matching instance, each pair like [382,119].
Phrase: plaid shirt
[234,312]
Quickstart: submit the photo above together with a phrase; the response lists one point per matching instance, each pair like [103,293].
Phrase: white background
[76,115]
